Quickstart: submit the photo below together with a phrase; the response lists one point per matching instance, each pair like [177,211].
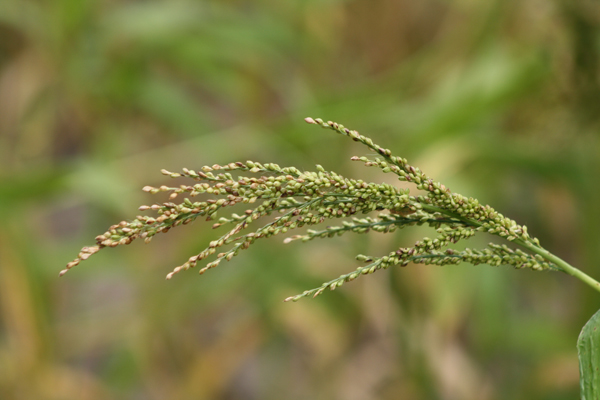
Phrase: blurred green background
[499,100]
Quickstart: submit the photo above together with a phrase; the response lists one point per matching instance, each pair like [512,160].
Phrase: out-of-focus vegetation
[499,99]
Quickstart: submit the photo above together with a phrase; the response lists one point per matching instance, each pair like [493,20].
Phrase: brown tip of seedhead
[288,299]
[69,266]
[170,274]
[310,120]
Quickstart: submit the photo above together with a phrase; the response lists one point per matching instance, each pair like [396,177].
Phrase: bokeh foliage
[499,100]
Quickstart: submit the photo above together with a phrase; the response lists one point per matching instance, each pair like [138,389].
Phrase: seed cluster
[310,198]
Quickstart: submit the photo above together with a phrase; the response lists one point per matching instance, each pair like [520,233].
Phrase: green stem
[562,264]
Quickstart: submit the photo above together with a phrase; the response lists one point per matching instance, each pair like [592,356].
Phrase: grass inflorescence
[310,198]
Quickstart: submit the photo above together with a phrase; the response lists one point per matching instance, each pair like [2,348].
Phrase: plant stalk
[560,263]
[563,265]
